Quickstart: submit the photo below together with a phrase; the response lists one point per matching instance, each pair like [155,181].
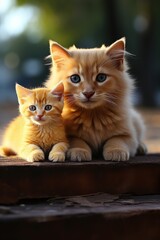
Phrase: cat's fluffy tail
[6,152]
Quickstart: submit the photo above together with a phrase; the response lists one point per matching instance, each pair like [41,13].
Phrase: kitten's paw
[79,154]
[56,156]
[116,155]
[142,149]
[36,156]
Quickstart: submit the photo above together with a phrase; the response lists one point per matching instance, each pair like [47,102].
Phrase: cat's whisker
[108,95]
[109,98]
[70,100]
[46,59]
[111,102]
[48,64]
[103,63]
[68,95]
[116,57]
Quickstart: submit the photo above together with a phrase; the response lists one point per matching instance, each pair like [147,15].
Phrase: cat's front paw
[116,154]
[79,154]
[56,156]
[36,156]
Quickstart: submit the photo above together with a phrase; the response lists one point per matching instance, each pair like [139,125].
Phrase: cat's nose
[88,95]
[39,116]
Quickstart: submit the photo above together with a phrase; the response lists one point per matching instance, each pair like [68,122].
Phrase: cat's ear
[22,93]
[58,53]
[58,91]
[116,52]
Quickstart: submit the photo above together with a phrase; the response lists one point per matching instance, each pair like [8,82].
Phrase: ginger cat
[98,113]
[39,130]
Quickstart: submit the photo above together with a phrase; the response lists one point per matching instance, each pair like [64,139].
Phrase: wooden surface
[92,217]
[99,215]
[22,180]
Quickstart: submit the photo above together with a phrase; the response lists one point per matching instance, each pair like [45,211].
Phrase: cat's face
[40,106]
[91,77]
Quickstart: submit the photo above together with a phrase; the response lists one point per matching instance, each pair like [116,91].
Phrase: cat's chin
[38,122]
[89,105]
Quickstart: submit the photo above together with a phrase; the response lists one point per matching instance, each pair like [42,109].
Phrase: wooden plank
[115,217]
[23,180]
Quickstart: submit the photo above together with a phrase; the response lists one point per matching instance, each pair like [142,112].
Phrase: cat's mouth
[88,103]
[38,120]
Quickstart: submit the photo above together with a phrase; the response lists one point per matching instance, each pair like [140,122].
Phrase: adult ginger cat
[98,112]
[39,129]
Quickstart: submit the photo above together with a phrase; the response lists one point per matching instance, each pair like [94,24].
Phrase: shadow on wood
[22,180]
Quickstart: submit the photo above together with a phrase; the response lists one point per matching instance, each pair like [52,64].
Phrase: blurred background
[27,25]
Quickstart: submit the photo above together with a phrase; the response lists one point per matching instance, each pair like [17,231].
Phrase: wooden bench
[91,200]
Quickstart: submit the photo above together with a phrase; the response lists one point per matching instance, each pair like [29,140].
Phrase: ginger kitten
[39,129]
[98,113]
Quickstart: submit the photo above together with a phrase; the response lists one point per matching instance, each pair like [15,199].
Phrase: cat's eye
[101,77]
[75,78]
[48,107]
[32,108]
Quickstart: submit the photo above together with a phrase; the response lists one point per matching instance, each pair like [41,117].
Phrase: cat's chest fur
[94,127]
[45,136]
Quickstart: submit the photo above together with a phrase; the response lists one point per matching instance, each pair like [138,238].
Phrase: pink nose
[88,95]
[39,116]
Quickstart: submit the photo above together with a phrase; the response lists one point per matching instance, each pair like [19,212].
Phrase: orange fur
[33,134]
[105,121]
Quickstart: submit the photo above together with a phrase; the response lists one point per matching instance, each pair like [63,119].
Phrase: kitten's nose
[88,94]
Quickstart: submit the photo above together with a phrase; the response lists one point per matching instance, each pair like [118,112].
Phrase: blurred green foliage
[90,23]
[70,21]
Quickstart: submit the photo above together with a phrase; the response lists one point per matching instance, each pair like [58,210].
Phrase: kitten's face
[90,76]
[40,106]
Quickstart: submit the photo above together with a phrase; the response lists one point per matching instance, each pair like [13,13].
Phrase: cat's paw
[116,155]
[142,149]
[36,156]
[79,154]
[56,156]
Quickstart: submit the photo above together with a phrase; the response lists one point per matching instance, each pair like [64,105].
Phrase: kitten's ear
[58,91]
[22,93]
[116,52]
[58,53]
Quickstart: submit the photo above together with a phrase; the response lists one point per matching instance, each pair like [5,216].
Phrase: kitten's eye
[75,78]
[101,77]
[48,107]
[32,108]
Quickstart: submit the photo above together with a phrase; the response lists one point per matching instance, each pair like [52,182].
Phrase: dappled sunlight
[17,19]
